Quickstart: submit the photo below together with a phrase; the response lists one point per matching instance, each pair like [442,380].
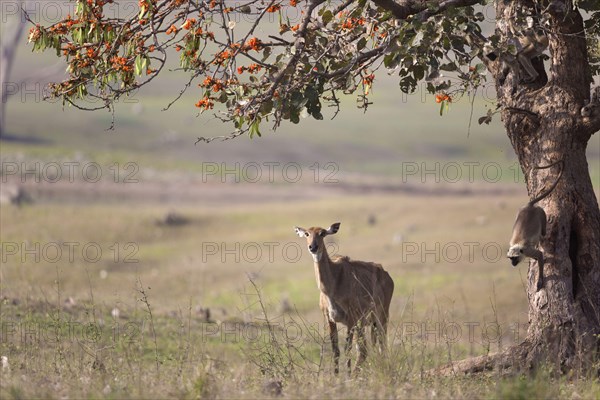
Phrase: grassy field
[147,267]
[132,321]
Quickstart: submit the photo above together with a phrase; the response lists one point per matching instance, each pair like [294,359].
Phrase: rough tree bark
[11,38]
[544,124]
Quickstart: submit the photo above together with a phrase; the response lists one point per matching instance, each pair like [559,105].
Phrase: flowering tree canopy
[274,60]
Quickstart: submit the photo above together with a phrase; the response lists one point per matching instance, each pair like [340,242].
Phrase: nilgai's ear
[300,231]
[333,228]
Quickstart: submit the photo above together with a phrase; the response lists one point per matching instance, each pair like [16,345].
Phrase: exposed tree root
[511,360]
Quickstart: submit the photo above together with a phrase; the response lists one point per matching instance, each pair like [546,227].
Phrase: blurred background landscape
[193,225]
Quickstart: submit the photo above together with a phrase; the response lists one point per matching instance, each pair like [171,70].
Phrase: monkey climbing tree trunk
[544,125]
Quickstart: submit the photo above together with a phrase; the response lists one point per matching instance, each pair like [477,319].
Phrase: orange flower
[205,103]
[352,22]
[172,29]
[120,64]
[150,71]
[274,8]
[252,68]
[188,24]
[240,70]
[91,53]
[442,97]
[348,24]
[293,3]
[35,33]
[367,80]
[254,44]
[151,48]
[295,27]
[207,81]
[217,86]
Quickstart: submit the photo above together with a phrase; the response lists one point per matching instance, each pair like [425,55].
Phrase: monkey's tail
[544,194]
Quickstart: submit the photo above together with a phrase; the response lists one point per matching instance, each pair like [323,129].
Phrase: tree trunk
[544,125]
[8,50]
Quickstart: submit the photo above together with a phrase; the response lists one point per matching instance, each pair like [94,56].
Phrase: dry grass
[112,329]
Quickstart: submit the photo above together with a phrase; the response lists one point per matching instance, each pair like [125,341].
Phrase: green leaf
[266,107]
[298,100]
[361,43]
[417,39]
[139,64]
[266,53]
[327,17]
[295,117]
[481,69]
[391,61]
[418,72]
[448,67]
[254,129]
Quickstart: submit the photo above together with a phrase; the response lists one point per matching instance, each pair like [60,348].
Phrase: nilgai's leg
[333,335]
[377,331]
[374,334]
[361,345]
[383,335]
[348,348]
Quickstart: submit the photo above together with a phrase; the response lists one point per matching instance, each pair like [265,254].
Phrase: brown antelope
[353,293]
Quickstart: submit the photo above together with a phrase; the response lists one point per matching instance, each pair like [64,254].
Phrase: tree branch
[592,124]
[406,9]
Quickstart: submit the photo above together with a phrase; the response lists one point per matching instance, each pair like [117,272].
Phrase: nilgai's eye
[521,251]
[306,234]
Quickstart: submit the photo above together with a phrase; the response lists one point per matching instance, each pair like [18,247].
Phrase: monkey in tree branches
[529,42]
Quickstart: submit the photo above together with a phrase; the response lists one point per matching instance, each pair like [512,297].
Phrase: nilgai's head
[515,253]
[314,238]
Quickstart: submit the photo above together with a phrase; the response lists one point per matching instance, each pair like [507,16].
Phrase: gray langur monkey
[529,228]
[532,43]
[529,43]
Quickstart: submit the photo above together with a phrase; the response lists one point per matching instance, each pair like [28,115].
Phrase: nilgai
[354,293]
